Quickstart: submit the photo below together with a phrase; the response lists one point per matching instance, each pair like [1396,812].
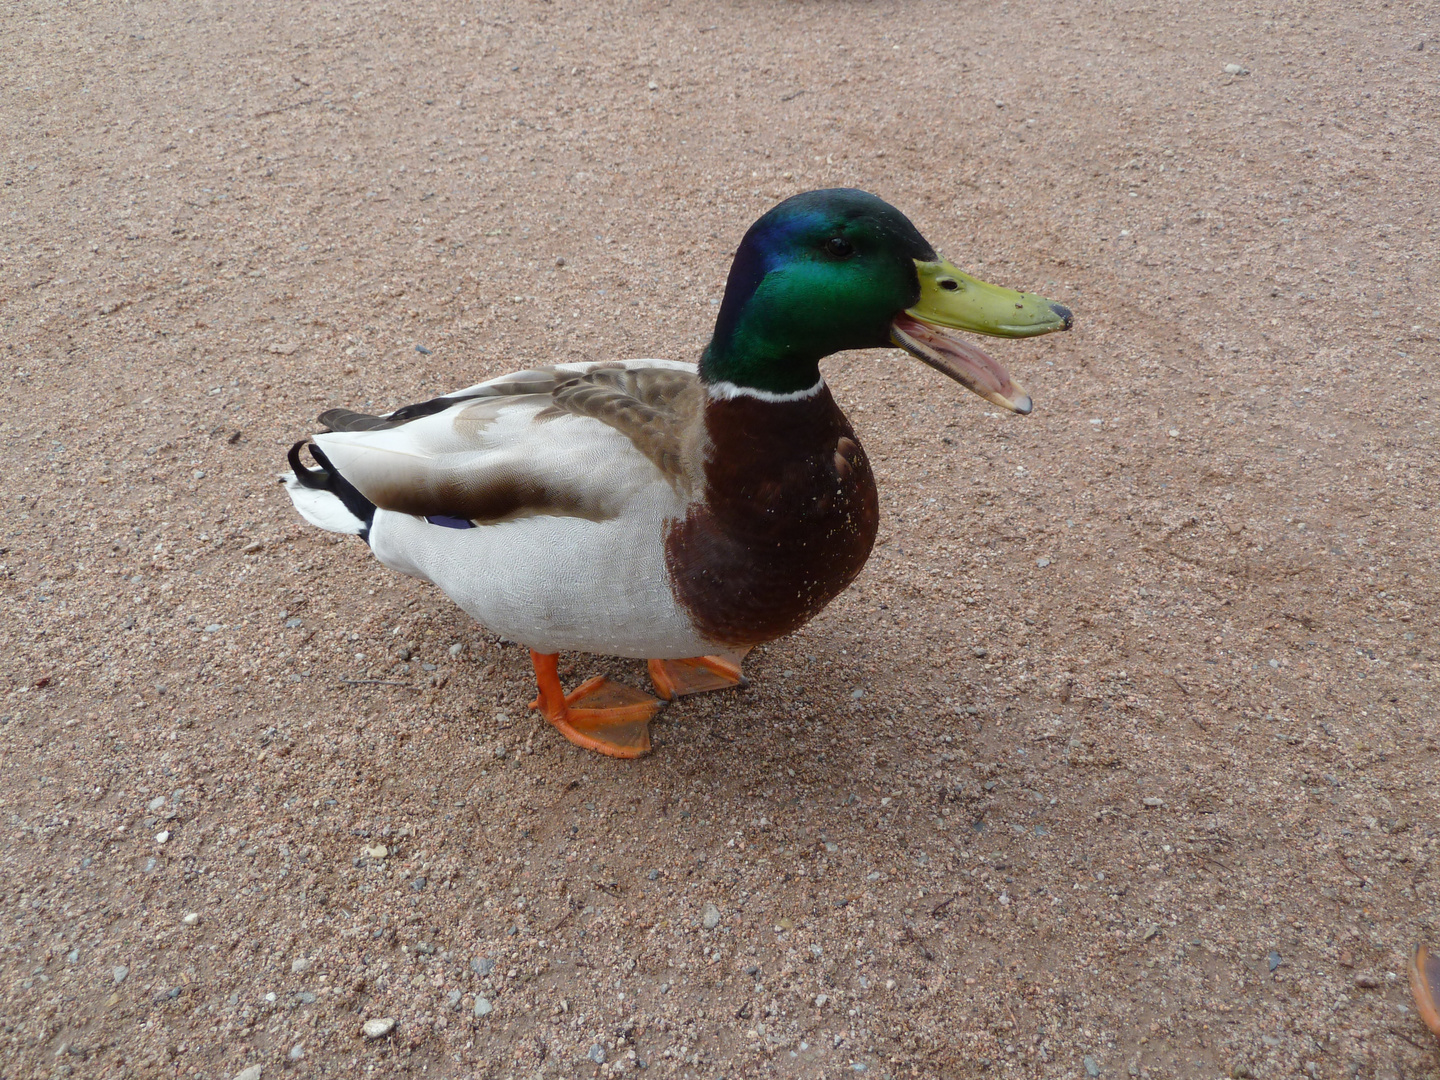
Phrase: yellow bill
[951,299]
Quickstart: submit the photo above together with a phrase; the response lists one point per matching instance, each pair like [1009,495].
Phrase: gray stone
[597,1054]
[378,1029]
[118,973]
[250,1072]
[1092,1067]
[483,1007]
[482,966]
[711,917]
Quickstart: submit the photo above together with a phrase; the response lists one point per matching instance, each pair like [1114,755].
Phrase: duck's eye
[949,284]
[839,247]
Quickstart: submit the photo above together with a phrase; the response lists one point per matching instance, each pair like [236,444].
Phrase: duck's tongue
[966,363]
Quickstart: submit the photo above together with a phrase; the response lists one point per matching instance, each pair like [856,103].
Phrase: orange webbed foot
[601,715]
[696,675]
[1425,986]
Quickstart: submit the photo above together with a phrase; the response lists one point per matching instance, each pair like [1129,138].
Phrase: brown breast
[788,519]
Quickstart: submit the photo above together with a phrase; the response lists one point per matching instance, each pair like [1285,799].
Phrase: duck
[680,513]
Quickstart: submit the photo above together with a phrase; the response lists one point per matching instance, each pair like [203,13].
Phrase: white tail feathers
[322,508]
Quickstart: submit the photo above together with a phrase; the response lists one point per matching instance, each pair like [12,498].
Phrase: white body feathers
[590,576]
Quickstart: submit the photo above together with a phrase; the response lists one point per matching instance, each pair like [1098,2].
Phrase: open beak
[951,299]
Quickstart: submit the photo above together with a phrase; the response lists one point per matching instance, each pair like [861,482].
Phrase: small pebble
[821,1000]
[199,474]
[299,965]
[250,1072]
[155,803]
[377,1029]
[711,917]
[422,350]
[482,965]
[1274,959]
[119,973]
[500,750]
[297,1052]
[457,649]
[1152,931]
[294,624]
[214,628]
[1153,803]
[597,1052]
[980,651]
[1092,1067]
[1236,69]
[1042,563]
[374,851]
[162,836]
[453,998]
[559,260]
[72,956]
[483,1007]
[191,918]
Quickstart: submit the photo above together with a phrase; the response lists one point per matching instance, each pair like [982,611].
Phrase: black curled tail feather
[328,478]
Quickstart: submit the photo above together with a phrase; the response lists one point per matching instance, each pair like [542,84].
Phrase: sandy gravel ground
[1117,761]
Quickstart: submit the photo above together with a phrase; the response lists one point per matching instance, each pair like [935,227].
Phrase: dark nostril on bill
[949,284]
[1064,313]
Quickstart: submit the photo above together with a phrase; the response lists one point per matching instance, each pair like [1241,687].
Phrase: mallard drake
[673,512]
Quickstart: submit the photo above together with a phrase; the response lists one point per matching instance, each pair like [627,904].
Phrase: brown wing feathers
[657,409]
[652,407]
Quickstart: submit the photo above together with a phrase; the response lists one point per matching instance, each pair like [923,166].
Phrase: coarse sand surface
[1119,758]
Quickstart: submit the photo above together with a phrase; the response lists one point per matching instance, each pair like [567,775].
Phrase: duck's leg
[698,674]
[608,717]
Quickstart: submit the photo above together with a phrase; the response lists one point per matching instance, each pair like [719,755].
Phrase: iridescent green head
[841,269]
